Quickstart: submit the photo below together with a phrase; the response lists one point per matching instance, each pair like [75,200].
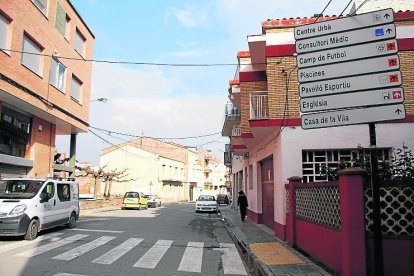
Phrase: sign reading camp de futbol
[349,71]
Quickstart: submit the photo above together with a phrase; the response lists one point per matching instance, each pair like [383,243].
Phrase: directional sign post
[353,116]
[349,74]
[356,99]
[364,51]
[350,84]
[345,23]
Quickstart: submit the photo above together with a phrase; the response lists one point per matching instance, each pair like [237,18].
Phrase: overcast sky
[165,101]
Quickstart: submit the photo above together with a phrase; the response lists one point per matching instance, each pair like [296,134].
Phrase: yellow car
[134,200]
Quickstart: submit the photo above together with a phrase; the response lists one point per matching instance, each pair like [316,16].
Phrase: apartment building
[44,84]
[268,144]
[172,171]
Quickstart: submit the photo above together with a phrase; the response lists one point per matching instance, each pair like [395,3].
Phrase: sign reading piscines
[349,71]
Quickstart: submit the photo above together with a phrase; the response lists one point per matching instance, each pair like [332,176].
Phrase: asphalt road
[171,240]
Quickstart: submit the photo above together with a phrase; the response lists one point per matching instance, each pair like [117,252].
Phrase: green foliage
[400,167]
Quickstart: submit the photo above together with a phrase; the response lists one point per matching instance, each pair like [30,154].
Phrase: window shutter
[29,60]
[60,19]
[3,31]
[79,43]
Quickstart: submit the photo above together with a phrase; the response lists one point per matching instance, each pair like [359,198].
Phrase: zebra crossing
[191,259]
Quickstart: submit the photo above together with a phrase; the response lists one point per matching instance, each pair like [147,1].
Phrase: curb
[255,266]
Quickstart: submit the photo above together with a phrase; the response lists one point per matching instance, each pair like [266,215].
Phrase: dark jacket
[242,201]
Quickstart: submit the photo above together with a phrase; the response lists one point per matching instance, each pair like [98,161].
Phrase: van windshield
[19,189]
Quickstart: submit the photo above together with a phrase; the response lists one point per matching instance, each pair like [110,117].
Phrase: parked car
[134,200]
[153,201]
[206,203]
[223,199]
[29,205]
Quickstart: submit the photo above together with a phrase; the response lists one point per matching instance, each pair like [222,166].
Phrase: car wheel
[72,221]
[139,207]
[32,230]
[122,208]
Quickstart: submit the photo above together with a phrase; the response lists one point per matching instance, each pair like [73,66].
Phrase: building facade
[268,144]
[172,171]
[44,84]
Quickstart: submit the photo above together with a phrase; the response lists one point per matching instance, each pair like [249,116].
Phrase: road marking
[78,251]
[192,258]
[96,230]
[47,247]
[232,264]
[117,252]
[68,274]
[12,246]
[154,255]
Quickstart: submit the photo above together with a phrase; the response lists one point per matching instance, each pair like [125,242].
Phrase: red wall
[320,242]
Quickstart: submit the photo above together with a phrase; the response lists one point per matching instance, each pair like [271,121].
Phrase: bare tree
[96,173]
[117,176]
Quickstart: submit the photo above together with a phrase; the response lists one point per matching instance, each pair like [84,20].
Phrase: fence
[331,222]
[258,105]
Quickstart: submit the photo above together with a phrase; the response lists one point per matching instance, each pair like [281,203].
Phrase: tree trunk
[106,190]
[109,188]
[95,190]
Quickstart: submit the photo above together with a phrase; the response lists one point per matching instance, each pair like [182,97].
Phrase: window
[63,192]
[62,20]
[49,190]
[76,89]
[58,75]
[4,32]
[314,160]
[80,43]
[31,61]
[41,5]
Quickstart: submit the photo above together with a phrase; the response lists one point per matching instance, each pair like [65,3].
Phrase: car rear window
[131,195]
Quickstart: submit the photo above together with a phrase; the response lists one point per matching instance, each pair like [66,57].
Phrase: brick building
[263,122]
[44,84]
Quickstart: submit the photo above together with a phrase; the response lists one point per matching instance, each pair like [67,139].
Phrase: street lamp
[104,100]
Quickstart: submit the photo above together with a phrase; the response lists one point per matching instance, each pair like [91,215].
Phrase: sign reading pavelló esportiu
[349,71]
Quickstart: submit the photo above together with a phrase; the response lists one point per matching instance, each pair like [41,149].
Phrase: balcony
[232,118]
[258,105]
[236,131]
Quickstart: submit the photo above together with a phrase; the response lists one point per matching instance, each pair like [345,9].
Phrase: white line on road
[11,246]
[78,251]
[96,230]
[47,247]
[232,264]
[154,255]
[192,258]
[68,274]
[117,252]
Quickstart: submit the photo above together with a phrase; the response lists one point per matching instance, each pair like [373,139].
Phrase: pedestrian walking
[243,204]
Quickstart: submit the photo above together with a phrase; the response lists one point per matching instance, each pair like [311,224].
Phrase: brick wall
[245,89]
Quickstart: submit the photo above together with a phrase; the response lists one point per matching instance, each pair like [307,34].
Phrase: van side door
[48,215]
[64,202]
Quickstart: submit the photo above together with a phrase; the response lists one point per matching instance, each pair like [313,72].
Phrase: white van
[29,205]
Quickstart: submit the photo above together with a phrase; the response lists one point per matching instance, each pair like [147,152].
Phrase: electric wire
[349,3]
[156,138]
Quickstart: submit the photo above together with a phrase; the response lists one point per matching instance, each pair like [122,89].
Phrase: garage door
[267,192]
[7,171]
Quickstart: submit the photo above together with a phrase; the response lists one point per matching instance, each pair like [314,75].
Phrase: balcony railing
[236,131]
[232,118]
[258,105]
[230,110]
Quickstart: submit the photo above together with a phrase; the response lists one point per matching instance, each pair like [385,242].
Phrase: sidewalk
[264,254]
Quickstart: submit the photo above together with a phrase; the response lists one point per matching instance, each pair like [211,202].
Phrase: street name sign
[351,68]
[355,52]
[349,84]
[345,38]
[353,116]
[345,23]
[355,99]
